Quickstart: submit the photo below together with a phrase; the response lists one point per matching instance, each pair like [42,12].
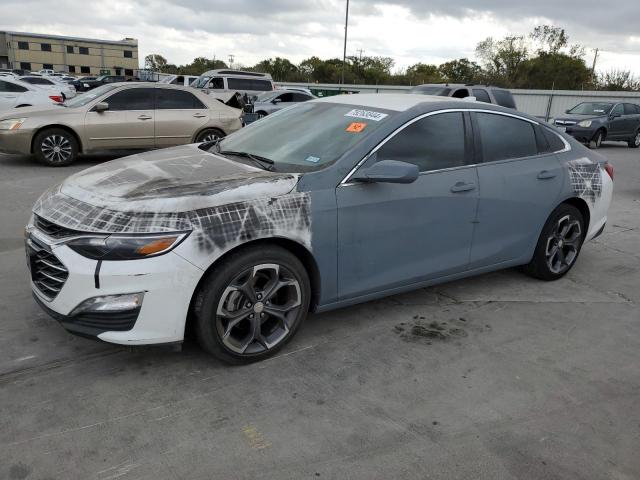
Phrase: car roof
[399,102]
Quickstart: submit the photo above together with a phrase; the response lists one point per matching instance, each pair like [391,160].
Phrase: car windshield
[591,109]
[435,90]
[307,136]
[89,96]
[202,82]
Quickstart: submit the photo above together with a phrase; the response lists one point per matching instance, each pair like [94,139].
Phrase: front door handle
[463,187]
[199,115]
[546,175]
[144,117]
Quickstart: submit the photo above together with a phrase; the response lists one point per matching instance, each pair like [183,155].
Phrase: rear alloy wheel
[559,244]
[55,147]
[596,141]
[209,135]
[635,141]
[252,304]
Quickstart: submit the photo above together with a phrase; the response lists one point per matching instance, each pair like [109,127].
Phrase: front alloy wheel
[258,308]
[55,147]
[251,303]
[635,141]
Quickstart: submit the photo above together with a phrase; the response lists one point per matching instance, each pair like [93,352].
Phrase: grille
[565,122]
[47,272]
[53,230]
[113,322]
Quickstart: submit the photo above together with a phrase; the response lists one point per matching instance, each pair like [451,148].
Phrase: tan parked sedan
[116,116]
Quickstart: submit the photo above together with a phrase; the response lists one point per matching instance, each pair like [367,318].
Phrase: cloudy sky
[410,31]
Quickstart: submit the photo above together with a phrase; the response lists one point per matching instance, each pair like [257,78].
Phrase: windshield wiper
[262,162]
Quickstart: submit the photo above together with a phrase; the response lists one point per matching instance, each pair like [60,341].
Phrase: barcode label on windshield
[366,114]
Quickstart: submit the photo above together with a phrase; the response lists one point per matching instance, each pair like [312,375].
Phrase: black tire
[596,142]
[548,266]
[209,135]
[259,332]
[634,142]
[44,147]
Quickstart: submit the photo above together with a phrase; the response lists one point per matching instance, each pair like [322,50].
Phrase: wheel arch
[583,208]
[301,252]
[204,129]
[61,127]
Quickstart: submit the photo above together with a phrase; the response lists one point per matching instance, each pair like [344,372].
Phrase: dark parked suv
[593,122]
[483,93]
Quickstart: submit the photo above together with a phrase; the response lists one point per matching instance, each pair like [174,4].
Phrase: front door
[179,116]
[391,235]
[128,123]
[617,125]
[520,184]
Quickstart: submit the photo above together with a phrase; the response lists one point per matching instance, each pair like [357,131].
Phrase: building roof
[132,42]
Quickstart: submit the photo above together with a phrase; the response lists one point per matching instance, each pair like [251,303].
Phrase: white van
[183,80]
[251,83]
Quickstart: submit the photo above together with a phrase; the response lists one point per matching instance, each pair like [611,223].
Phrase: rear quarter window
[555,142]
[481,95]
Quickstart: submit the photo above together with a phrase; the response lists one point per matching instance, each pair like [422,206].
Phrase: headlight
[11,123]
[585,123]
[122,247]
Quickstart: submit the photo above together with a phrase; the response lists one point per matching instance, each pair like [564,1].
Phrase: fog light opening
[110,303]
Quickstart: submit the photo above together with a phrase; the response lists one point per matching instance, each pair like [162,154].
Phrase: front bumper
[584,135]
[15,141]
[168,282]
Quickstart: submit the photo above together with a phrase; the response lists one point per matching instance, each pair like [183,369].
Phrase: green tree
[155,62]
[423,73]
[461,71]
[503,58]
[557,71]
[618,80]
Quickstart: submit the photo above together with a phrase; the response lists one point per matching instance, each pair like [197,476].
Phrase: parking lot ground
[495,377]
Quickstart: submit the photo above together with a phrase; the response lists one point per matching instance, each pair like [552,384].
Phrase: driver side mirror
[101,107]
[276,100]
[388,171]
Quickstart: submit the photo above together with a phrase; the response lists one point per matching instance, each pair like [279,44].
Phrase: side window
[300,97]
[433,143]
[618,110]
[167,99]
[505,137]
[239,83]
[630,109]
[555,142]
[504,98]
[460,93]
[261,85]
[481,95]
[216,83]
[286,97]
[131,99]
[11,87]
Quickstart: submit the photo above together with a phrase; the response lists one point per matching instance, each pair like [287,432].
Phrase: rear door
[179,116]
[128,123]
[631,119]
[391,235]
[520,184]
[9,94]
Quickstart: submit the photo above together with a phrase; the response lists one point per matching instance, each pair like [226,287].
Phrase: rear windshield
[431,90]
[308,135]
[504,98]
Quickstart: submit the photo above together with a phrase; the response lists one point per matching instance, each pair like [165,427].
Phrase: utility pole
[593,68]
[231,58]
[344,53]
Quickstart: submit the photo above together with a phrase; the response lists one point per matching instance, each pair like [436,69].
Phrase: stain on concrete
[420,330]
[19,471]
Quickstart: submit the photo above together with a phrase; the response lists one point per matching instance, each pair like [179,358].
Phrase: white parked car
[16,93]
[184,80]
[51,84]
[46,71]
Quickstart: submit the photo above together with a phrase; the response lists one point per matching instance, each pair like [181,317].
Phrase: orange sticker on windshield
[356,127]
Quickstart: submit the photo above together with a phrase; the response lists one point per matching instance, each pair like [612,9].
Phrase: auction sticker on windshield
[356,127]
[366,114]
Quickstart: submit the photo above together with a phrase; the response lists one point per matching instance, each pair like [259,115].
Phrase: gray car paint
[357,241]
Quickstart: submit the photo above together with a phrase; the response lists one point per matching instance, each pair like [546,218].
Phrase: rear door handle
[199,115]
[144,117]
[546,175]
[463,187]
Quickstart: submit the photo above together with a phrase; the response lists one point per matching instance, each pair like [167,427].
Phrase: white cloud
[410,31]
